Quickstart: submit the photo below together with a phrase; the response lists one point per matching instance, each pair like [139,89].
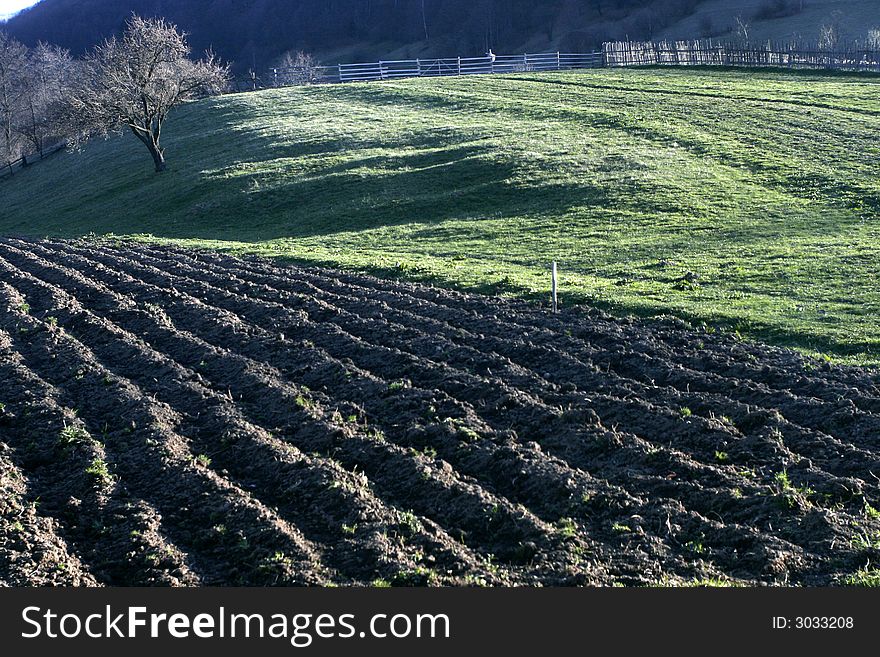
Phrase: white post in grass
[555,287]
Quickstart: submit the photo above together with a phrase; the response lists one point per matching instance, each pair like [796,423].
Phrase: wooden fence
[614,54]
[9,168]
[708,53]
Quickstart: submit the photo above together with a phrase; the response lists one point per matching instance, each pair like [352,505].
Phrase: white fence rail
[617,54]
[421,68]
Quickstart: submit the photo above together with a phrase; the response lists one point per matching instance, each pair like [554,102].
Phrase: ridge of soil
[185,418]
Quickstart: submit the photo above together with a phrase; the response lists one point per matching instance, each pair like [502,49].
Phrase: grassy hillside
[742,199]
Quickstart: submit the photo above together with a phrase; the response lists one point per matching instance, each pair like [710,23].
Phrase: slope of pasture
[186,418]
[743,198]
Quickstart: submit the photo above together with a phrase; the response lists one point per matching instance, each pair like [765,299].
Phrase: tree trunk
[152,144]
[425,21]
[158,158]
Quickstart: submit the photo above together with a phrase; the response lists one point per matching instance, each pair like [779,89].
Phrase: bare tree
[830,33]
[134,81]
[13,68]
[45,85]
[425,20]
[873,40]
[828,37]
[742,29]
[294,69]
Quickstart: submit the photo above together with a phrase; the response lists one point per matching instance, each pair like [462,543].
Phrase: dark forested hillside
[253,32]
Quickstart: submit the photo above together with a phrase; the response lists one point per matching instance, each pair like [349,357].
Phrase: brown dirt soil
[186,418]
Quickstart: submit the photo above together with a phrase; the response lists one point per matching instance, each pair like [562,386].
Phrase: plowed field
[186,418]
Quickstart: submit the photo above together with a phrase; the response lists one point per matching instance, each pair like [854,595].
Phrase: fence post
[340,73]
[459,64]
[555,287]
[419,66]
[558,61]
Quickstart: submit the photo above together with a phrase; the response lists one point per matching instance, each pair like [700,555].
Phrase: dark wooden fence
[9,168]
[709,53]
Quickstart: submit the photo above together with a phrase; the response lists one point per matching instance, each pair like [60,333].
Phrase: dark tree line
[255,33]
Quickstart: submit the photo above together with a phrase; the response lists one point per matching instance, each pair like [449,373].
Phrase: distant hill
[778,20]
[254,32]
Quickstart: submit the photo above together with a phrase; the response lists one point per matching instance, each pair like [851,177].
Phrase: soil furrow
[364,429]
[33,551]
[142,449]
[773,437]
[643,374]
[768,365]
[98,518]
[710,500]
[372,450]
[326,504]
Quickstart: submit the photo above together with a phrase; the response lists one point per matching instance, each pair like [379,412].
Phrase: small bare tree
[830,33]
[742,29]
[45,85]
[873,40]
[294,69]
[828,37]
[134,81]
[13,69]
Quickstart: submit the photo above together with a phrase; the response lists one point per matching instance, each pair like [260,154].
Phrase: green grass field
[748,200]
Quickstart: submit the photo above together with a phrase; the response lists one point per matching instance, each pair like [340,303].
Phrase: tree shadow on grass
[232,179]
[406,185]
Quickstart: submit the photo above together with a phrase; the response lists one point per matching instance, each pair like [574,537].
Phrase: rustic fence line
[613,54]
[709,53]
[9,168]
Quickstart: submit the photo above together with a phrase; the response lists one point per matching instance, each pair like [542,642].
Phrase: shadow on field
[254,185]
[301,189]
